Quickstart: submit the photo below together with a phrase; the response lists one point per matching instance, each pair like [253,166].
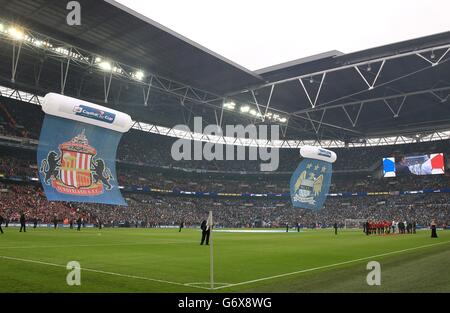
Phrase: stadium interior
[387,101]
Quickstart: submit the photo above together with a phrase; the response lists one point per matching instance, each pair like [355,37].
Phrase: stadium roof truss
[282,144]
[387,95]
[70,57]
[393,101]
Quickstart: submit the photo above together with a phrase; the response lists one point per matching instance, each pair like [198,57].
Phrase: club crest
[75,170]
[310,184]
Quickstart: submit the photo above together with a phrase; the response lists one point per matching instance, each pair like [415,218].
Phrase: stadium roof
[112,30]
[398,89]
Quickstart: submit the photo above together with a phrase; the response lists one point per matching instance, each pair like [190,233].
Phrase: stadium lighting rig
[58,50]
[139,75]
[286,144]
[229,105]
[16,33]
[248,110]
[19,34]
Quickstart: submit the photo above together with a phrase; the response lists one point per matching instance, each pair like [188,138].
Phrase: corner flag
[209,226]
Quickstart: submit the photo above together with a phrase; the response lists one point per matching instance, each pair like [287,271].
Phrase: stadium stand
[357,172]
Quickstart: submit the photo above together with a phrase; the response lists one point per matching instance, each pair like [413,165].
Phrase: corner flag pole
[211,251]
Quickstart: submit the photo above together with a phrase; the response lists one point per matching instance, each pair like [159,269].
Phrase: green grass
[133,260]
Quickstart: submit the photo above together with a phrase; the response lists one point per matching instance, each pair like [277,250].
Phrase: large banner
[311,180]
[77,151]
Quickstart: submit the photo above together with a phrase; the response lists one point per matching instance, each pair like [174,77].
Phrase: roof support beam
[65,72]
[353,122]
[397,112]
[15,60]
[146,95]
[420,54]
[257,106]
[328,124]
[352,65]
[37,76]
[107,87]
[401,95]
[371,86]
[268,101]
[313,103]
[441,99]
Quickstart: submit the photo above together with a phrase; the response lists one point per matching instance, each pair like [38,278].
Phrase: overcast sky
[261,33]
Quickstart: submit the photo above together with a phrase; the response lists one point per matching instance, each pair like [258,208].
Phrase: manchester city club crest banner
[311,180]
[77,151]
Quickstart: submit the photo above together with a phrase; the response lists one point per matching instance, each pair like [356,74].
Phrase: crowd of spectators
[30,200]
[143,161]
[22,119]
[152,210]
[23,165]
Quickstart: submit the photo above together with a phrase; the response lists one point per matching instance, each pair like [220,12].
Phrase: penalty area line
[104,272]
[327,266]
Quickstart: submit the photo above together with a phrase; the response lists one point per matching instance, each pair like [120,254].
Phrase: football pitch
[165,260]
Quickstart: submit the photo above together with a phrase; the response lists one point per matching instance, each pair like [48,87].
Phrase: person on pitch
[22,223]
[1,222]
[367,227]
[181,226]
[433,229]
[55,221]
[206,231]
[335,228]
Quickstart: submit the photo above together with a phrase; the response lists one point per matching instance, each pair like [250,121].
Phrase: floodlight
[106,66]
[252,112]
[245,109]
[229,105]
[139,75]
[283,120]
[16,34]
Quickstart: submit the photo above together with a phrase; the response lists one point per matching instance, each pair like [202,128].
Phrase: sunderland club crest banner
[77,151]
[311,180]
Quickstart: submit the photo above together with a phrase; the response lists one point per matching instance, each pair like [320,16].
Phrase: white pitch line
[206,283]
[99,245]
[327,266]
[104,272]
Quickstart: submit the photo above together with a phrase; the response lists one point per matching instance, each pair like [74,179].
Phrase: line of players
[23,223]
[386,227]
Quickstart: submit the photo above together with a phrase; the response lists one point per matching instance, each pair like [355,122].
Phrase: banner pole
[211,251]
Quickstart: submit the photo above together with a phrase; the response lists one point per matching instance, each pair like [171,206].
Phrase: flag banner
[389,167]
[209,222]
[311,181]
[77,151]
